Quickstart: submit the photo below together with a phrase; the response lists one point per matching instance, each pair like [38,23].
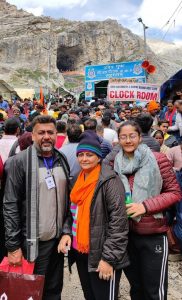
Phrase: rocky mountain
[33,50]
[169,53]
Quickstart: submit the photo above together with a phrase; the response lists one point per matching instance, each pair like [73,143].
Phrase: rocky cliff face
[27,47]
[169,53]
[34,49]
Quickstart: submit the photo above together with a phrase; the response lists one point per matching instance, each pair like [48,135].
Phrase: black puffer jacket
[108,222]
[171,141]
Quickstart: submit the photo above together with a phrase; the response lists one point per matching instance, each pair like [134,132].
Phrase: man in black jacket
[36,206]
[91,124]
[145,122]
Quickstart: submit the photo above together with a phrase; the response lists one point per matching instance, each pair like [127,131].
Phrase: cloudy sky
[163,17]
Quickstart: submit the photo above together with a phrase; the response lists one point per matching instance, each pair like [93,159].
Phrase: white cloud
[178,42]
[90,16]
[156,13]
[37,11]
[47,4]
[113,17]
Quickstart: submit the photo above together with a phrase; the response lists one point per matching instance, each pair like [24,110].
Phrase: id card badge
[50,182]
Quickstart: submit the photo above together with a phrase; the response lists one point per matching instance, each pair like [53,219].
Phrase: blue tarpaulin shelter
[171,86]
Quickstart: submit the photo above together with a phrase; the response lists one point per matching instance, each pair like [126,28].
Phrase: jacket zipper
[94,197]
[98,187]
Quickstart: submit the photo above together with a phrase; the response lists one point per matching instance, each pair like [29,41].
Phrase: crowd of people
[99,182]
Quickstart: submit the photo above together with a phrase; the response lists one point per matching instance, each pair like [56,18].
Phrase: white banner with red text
[132,91]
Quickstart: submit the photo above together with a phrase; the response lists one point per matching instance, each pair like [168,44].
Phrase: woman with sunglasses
[150,182]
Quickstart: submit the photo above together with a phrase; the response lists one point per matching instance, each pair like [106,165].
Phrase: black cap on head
[89,142]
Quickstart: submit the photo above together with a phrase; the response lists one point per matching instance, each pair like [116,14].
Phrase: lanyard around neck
[50,166]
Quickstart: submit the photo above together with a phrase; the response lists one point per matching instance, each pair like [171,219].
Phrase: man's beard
[47,148]
[42,148]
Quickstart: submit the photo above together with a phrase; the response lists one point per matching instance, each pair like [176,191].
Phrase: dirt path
[72,289]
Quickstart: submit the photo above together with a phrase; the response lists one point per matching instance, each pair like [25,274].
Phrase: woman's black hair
[160,122]
[158,131]
[170,101]
[130,123]
[145,121]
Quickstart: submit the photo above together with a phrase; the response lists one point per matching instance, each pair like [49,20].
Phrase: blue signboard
[115,70]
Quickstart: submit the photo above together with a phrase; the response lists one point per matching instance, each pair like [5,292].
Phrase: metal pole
[48,67]
[48,63]
[144,37]
[145,42]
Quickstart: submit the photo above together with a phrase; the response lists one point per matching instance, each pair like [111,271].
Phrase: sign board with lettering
[95,73]
[123,91]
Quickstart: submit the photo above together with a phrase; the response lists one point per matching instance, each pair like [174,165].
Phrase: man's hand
[105,270]
[15,257]
[135,209]
[64,244]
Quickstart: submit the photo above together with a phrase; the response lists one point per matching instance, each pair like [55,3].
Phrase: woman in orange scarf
[100,226]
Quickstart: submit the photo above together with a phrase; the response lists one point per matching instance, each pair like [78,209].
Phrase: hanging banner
[123,91]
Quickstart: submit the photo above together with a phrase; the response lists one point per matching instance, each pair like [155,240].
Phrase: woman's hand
[135,209]
[64,244]
[105,270]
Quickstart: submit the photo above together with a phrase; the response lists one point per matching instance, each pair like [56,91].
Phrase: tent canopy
[6,90]
[171,86]
[25,93]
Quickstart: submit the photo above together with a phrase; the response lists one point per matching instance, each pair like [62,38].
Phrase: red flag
[41,100]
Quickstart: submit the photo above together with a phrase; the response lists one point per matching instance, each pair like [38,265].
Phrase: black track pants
[93,287]
[148,272]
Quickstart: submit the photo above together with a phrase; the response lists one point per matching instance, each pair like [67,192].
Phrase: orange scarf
[81,195]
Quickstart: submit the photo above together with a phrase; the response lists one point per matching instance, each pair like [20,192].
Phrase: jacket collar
[106,173]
